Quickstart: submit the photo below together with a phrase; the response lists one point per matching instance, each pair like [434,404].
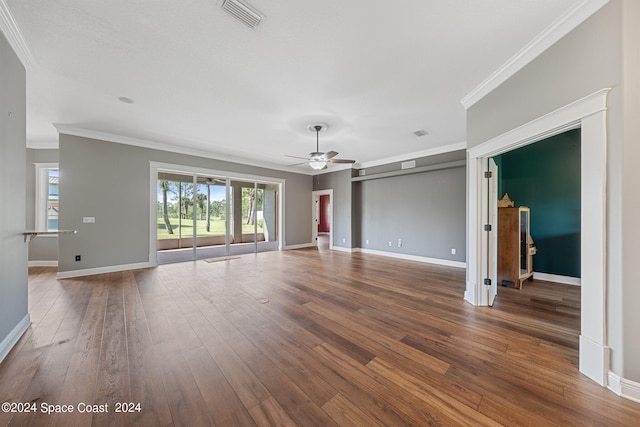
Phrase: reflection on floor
[323,242]
[205,252]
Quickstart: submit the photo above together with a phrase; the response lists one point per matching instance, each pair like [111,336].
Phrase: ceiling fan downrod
[318,128]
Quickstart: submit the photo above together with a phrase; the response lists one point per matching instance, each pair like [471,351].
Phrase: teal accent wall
[545,176]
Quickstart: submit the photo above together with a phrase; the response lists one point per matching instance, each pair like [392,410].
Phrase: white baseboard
[469,296]
[594,360]
[445,262]
[623,387]
[343,249]
[301,246]
[101,270]
[10,340]
[567,280]
[43,263]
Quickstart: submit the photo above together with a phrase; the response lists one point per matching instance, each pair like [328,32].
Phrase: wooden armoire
[515,246]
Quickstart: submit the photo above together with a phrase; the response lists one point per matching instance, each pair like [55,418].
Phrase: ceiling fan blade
[217,181]
[330,154]
[298,164]
[297,157]
[340,161]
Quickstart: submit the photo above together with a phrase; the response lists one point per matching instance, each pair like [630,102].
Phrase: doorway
[589,115]
[322,220]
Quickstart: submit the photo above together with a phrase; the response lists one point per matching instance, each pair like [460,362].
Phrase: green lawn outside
[217,228]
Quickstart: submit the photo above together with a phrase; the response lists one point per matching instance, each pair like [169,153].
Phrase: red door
[324,222]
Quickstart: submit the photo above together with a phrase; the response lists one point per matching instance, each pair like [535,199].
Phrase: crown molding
[415,155]
[42,145]
[155,145]
[565,23]
[11,31]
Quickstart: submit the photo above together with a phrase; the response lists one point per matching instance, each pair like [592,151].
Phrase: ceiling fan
[317,159]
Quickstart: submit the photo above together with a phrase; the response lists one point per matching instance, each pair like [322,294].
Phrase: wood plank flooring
[302,338]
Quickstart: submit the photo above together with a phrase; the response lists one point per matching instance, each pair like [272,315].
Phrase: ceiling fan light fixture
[318,160]
[317,164]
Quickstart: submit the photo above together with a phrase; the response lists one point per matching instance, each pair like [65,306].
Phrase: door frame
[315,203]
[588,114]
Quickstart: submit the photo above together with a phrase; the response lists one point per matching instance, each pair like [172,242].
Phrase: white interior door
[493,234]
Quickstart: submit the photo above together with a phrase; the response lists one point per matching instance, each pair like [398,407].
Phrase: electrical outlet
[344,240]
[390,244]
[399,243]
[367,241]
[88,219]
[453,251]
[78,258]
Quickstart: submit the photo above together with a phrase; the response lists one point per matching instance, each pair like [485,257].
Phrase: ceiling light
[317,161]
[125,100]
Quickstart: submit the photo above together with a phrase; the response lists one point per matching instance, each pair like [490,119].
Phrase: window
[47,205]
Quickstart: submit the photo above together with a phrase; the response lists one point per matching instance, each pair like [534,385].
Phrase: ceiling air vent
[242,12]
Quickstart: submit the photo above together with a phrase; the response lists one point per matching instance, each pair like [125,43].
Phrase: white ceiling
[374,70]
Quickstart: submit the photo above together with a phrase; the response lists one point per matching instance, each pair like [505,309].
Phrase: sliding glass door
[201,217]
[211,217]
[267,216]
[174,219]
[243,214]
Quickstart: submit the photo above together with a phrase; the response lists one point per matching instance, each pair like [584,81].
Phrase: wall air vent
[408,165]
[242,12]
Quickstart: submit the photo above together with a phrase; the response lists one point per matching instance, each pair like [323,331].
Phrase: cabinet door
[524,231]
[508,245]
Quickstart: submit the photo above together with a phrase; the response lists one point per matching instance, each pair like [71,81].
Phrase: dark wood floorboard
[309,337]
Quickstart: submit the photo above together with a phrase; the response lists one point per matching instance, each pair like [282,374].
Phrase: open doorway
[538,234]
[544,178]
[589,115]
[322,221]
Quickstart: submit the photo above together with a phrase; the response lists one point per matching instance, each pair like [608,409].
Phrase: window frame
[42,194]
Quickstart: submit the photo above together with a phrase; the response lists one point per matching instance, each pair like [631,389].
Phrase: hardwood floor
[302,338]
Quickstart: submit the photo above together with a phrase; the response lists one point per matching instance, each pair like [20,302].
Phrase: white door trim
[588,114]
[314,224]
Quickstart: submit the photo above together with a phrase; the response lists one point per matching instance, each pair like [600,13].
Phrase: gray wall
[13,251]
[630,197]
[590,58]
[426,210]
[340,182]
[110,182]
[586,60]
[43,248]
